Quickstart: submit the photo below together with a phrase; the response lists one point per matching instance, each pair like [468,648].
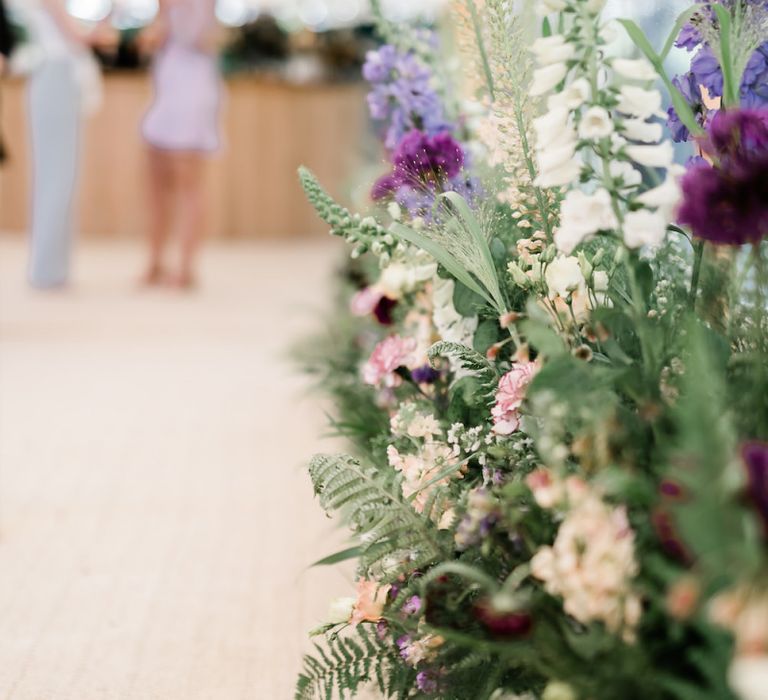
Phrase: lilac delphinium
[706,71]
[402,94]
[427,682]
[727,202]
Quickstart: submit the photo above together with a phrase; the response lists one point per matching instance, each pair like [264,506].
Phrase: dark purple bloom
[728,202]
[755,456]
[425,375]
[503,624]
[426,682]
[428,157]
[383,310]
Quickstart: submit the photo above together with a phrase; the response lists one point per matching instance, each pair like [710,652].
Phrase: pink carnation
[388,356]
[510,396]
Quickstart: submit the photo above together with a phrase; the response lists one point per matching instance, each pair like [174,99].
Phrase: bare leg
[161,201]
[189,177]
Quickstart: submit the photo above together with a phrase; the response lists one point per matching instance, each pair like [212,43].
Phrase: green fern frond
[364,233]
[470,360]
[372,504]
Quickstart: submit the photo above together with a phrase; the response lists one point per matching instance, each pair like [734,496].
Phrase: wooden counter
[270,129]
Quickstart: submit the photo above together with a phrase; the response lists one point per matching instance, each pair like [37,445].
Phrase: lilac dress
[185,112]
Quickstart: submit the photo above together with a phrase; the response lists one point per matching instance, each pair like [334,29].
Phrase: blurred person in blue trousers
[64,85]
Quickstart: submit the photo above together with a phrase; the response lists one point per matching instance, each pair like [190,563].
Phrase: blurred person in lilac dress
[181,129]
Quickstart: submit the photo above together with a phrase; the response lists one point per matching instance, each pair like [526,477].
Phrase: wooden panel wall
[270,129]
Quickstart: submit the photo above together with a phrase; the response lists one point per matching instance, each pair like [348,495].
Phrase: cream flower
[659,156]
[564,276]
[638,102]
[340,611]
[641,130]
[546,78]
[644,228]
[635,69]
[572,97]
[545,7]
[583,215]
[595,124]
[665,197]
[748,677]
[552,49]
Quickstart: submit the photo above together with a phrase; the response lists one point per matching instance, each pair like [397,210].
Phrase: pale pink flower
[364,303]
[388,356]
[369,606]
[547,490]
[510,396]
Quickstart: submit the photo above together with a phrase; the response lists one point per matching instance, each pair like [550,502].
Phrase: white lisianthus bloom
[641,130]
[644,228]
[546,78]
[400,278]
[635,69]
[621,170]
[545,7]
[572,97]
[594,6]
[340,611]
[552,49]
[394,211]
[595,124]
[748,677]
[658,156]
[563,276]
[665,197]
[581,216]
[638,102]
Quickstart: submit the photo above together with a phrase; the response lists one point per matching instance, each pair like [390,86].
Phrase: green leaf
[487,334]
[467,302]
[730,88]
[442,256]
[543,338]
[338,557]
[682,108]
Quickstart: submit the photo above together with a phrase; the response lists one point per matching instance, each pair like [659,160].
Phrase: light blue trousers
[54,109]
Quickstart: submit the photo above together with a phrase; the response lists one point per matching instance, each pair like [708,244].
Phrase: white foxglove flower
[635,69]
[658,156]
[552,49]
[638,102]
[644,228]
[581,216]
[545,7]
[641,130]
[564,276]
[621,170]
[595,124]
[552,128]
[546,78]
[560,176]
[553,158]
[572,97]
[665,197]
[748,677]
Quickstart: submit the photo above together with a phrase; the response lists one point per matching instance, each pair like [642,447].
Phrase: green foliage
[371,503]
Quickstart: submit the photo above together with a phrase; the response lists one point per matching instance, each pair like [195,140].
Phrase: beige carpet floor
[155,520]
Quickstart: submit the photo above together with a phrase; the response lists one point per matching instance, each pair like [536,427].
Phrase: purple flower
[689,38]
[412,605]
[426,682]
[425,375]
[755,456]
[706,71]
[503,624]
[688,86]
[728,202]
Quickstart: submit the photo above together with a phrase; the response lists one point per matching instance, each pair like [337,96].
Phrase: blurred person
[7,43]
[64,85]
[181,128]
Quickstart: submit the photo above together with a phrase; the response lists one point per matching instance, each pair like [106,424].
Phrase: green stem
[697,260]
[481,48]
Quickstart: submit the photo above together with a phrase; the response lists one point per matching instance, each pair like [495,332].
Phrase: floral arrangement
[551,363]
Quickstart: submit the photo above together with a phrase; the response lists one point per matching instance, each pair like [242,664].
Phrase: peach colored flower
[371,597]
[388,356]
[510,396]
